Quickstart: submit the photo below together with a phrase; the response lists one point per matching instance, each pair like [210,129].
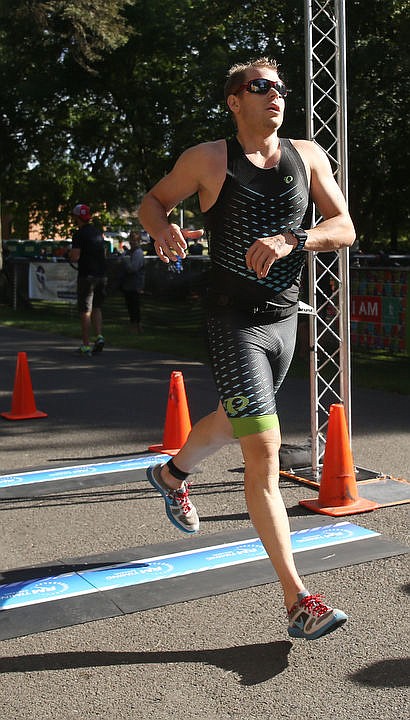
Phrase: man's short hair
[237,73]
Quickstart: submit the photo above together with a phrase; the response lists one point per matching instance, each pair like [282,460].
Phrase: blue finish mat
[42,481]
[75,591]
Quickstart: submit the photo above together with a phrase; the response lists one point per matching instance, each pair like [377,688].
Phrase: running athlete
[256,193]
[88,251]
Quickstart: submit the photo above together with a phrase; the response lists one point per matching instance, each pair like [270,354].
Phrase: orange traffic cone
[23,406]
[338,493]
[177,421]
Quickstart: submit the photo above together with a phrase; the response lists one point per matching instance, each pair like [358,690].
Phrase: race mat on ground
[111,471]
[73,591]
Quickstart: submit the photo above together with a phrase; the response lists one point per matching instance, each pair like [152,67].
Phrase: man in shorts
[256,192]
[88,251]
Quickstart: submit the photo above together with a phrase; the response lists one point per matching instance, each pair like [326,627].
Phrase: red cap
[83,212]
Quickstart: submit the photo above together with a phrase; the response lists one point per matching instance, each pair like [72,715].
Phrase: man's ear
[233,103]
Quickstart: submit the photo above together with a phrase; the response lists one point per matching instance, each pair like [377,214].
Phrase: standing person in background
[132,281]
[256,192]
[196,248]
[88,251]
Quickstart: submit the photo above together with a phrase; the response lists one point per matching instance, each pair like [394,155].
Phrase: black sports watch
[301,237]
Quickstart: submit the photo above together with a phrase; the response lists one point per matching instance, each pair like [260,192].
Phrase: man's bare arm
[336,230]
[182,182]
[74,254]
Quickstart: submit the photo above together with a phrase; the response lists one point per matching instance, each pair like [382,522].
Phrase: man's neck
[262,150]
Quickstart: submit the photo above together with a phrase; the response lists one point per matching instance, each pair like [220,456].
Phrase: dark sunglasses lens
[281,88]
[261,86]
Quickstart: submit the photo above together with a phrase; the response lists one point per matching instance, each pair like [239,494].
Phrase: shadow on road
[383,674]
[253,664]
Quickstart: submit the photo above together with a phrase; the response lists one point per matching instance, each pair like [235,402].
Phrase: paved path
[218,658]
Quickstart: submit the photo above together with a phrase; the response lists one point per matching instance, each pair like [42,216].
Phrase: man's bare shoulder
[308,148]
[204,166]
[206,163]
[205,152]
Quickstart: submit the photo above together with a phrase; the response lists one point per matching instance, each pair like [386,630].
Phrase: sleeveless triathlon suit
[252,321]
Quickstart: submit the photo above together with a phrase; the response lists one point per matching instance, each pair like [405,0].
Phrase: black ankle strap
[176,472]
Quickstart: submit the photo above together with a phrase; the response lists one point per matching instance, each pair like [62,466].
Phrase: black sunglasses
[261,86]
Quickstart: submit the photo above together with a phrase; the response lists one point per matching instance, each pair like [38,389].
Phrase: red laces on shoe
[313,604]
[181,497]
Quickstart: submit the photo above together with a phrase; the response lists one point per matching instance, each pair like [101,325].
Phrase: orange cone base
[361,505]
[162,449]
[12,416]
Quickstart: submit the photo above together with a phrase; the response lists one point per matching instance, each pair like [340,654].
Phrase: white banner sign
[52,281]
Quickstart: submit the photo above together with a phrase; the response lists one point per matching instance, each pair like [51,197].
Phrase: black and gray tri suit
[252,321]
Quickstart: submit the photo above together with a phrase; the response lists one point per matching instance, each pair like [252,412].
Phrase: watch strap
[301,237]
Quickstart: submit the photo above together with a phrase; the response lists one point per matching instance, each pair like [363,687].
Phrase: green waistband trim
[254,424]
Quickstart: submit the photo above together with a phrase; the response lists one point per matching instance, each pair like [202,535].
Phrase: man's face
[257,110]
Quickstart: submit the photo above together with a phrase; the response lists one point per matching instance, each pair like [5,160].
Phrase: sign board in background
[56,282]
[379,309]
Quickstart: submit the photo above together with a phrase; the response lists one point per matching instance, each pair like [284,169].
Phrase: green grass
[381,371]
[176,327]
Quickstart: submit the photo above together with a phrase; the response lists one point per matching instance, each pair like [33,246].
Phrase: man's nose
[275,92]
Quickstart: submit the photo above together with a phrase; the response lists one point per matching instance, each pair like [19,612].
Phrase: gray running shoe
[179,508]
[310,618]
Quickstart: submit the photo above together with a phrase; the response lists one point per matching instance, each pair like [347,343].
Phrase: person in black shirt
[88,250]
[196,248]
[255,192]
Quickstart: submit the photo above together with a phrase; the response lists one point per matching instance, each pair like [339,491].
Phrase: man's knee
[261,453]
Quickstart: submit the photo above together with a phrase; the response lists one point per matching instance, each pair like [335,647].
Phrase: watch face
[300,235]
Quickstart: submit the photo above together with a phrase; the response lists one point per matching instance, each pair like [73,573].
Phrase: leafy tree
[102,97]
[40,86]
[379,104]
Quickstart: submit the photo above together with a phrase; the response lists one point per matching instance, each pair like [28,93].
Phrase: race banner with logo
[380,302]
[56,282]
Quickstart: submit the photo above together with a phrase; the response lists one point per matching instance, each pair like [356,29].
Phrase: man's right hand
[171,243]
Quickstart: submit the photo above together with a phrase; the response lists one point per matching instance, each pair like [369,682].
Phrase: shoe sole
[300,635]
[152,480]
[99,348]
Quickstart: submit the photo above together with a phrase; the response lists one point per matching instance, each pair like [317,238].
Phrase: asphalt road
[217,658]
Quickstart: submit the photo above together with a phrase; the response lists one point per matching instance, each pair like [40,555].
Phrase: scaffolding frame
[326,120]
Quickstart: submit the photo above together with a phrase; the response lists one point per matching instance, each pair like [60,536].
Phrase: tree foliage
[98,99]
[379,105]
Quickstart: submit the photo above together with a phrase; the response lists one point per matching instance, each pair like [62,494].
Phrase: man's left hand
[265,251]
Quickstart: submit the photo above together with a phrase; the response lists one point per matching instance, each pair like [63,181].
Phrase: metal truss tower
[325,43]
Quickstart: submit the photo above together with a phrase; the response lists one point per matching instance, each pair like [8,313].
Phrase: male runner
[88,250]
[255,193]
